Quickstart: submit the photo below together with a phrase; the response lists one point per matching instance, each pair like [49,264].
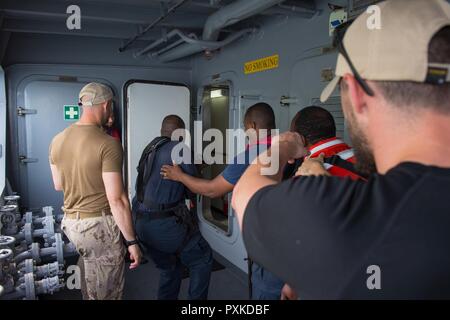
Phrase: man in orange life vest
[317,127]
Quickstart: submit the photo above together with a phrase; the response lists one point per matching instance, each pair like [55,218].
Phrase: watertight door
[147,105]
[47,108]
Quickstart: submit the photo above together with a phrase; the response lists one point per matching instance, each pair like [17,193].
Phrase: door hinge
[25,160]
[22,111]
[287,101]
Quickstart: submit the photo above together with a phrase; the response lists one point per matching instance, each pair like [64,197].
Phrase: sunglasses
[338,42]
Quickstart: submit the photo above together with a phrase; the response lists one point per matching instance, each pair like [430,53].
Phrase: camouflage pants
[99,243]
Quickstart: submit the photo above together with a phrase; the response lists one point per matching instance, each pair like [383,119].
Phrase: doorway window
[216,114]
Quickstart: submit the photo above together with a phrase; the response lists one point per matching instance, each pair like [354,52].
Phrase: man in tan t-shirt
[86,165]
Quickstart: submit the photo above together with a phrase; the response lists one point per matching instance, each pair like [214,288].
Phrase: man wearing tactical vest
[164,224]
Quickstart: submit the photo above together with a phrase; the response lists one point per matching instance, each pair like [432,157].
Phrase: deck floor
[142,284]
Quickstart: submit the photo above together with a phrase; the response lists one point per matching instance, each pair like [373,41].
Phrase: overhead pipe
[233,13]
[192,39]
[168,48]
[297,11]
[228,15]
[196,46]
[164,39]
[152,25]
[215,44]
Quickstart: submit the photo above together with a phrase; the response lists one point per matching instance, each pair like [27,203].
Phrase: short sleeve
[233,172]
[50,156]
[112,156]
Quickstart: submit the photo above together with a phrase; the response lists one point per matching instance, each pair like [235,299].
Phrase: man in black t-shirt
[389,237]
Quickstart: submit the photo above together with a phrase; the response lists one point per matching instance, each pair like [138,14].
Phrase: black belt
[159,211]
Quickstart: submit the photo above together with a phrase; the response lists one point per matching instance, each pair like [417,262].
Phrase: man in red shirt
[111,129]
[317,127]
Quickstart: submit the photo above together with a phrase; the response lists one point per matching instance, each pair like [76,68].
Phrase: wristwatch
[131,243]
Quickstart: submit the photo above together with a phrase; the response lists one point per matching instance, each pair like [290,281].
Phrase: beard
[365,160]
[104,121]
[105,118]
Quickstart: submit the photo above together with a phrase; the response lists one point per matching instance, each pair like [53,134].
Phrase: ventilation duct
[228,15]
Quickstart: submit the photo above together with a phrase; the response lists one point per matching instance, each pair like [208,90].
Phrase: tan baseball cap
[398,50]
[97,92]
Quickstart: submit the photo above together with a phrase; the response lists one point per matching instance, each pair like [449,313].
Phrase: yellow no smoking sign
[263,64]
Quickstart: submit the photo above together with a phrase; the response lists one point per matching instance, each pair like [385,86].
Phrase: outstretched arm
[209,188]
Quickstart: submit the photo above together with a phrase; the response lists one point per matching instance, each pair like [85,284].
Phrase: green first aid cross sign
[71,113]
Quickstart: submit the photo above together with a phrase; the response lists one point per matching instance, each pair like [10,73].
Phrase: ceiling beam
[88,29]
[117,13]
